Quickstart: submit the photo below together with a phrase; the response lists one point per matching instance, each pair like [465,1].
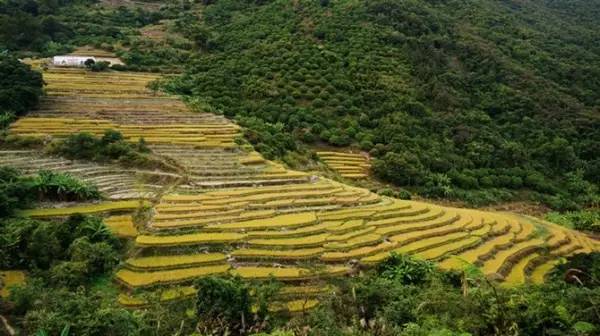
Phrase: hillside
[300,168]
[481,101]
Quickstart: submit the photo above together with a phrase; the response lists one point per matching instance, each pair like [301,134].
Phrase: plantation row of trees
[482,101]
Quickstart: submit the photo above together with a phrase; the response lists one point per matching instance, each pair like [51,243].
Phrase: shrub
[109,148]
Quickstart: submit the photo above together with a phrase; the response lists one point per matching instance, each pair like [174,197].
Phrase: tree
[402,169]
[20,86]
[223,305]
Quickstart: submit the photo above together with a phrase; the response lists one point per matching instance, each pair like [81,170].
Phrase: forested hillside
[475,100]
[300,167]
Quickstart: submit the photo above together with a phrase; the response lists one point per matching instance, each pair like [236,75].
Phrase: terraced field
[234,212]
[348,165]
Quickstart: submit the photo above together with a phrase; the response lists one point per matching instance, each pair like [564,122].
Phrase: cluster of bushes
[584,220]
[20,88]
[70,252]
[434,111]
[111,147]
[18,191]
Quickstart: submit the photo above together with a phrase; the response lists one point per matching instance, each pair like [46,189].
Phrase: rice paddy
[347,165]
[235,212]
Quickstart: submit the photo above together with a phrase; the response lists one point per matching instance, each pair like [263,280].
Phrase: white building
[79,61]
[71,60]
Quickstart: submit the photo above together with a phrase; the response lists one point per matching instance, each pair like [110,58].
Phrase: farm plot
[215,209]
[114,182]
[237,213]
[224,167]
[348,165]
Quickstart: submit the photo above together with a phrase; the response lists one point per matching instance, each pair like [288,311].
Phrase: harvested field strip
[188,239]
[296,242]
[358,252]
[86,209]
[349,235]
[517,272]
[414,216]
[303,290]
[253,215]
[8,279]
[288,221]
[499,260]
[528,229]
[273,189]
[346,164]
[140,279]
[363,240]
[539,274]
[346,226]
[435,222]
[166,295]
[567,249]
[474,255]
[416,246]
[121,226]
[301,232]
[287,274]
[175,261]
[295,254]
[452,247]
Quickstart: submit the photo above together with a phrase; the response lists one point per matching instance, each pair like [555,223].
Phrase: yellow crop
[440,251]
[303,231]
[517,272]
[493,265]
[315,240]
[140,279]
[176,260]
[539,273]
[121,226]
[295,305]
[288,273]
[471,256]
[189,239]
[8,279]
[359,252]
[264,215]
[166,295]
[367,239]
[278,254]
[86,209]
[288,221]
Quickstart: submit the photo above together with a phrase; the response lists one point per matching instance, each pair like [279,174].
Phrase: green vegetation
[19,192]
[445,95]
[20,88]
[57,27]
[111,147]
[584,220]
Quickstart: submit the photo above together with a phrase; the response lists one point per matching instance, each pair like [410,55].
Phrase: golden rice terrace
[231,211]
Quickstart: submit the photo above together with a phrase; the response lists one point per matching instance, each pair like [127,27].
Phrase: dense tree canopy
[498,96]
[20,87]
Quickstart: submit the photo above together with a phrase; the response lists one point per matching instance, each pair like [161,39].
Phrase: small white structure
[71,60]
[79,61]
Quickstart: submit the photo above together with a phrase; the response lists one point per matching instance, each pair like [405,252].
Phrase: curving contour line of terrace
[231,211]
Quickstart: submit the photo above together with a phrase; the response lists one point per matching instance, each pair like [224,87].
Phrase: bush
[111,147]
[20,87]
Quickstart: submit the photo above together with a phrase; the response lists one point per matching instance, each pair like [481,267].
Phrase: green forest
[482,101]
[477,102]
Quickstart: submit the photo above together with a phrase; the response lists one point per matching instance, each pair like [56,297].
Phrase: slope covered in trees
[476,100]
